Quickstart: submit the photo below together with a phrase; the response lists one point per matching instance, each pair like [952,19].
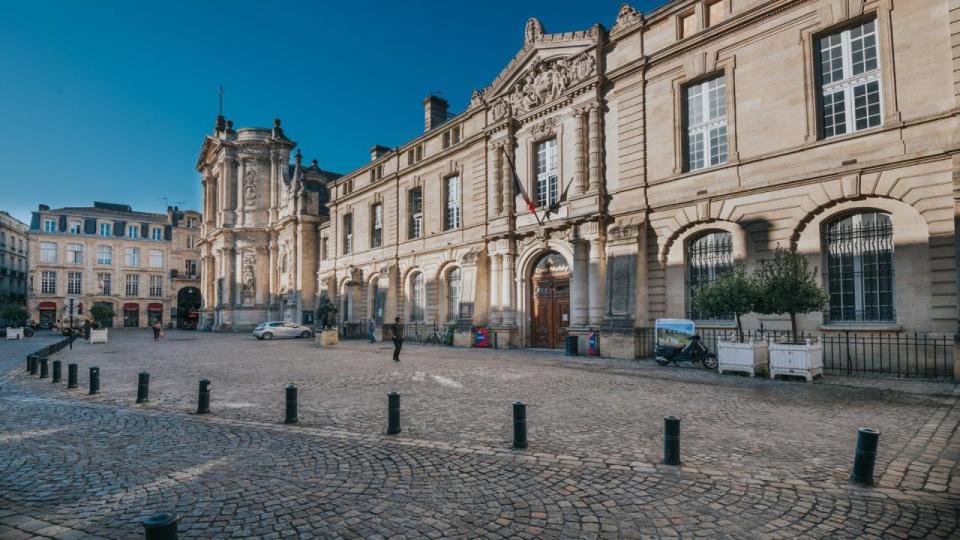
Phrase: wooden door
[550,312]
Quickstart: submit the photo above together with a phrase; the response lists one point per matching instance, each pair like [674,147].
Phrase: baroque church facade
[603,175]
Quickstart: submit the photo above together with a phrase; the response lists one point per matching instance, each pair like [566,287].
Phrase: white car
[281,329]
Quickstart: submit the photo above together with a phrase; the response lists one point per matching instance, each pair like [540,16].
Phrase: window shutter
[119,227]
[35,222]
[63,223]
[90,226]
[144,230]
[168,233]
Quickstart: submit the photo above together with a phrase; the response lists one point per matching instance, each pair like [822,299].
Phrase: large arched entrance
[550,301]
[189,303]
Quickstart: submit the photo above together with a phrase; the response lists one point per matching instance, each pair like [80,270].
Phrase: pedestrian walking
[157,328]
[396,330]
[371,329]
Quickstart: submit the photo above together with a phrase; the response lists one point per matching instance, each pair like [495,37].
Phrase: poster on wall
[481,337]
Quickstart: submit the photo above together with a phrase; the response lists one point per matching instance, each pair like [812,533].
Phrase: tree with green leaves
[102,314]
[787,285]
[14,315]
[735,292]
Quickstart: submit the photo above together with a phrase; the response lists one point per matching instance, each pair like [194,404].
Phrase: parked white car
[281,329]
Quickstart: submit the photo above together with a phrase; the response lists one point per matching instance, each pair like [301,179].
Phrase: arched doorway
[189,302]
[550,300]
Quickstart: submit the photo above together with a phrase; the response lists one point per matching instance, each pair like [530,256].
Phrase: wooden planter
[14,333]
[98,336]
[798,359]
[749,357]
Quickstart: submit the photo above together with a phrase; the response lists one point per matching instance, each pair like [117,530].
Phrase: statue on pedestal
[326,313]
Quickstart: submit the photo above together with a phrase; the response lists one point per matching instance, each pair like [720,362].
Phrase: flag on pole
[518,189]
[555,206]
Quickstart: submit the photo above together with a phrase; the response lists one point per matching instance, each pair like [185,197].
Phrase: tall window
[324,248]
[132,285]
[106,229]
[48,252]
[74,279]
[156,285]
[347,234]
[191,241]
[156,258]
[418,296]
[75,253]
[849,80]
[49,225]
[132,257]
[190,267]
[705,121]
[860,268]
[454,281]
[708,257]
[48,282]
[415,212]
[376,225]
[104,255]
[283,264]
[548,191]
[156,233]
[74,227]
[105,283]
[452,215]
[133,231]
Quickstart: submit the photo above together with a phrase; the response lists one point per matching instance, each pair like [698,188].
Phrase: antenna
[220,94]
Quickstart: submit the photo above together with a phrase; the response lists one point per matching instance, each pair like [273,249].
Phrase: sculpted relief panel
[250,188]
[543,83]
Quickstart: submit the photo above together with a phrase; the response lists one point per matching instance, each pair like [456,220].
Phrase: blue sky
[110,100]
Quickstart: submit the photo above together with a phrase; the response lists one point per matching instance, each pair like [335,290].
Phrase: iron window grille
[708,257]
[860,268]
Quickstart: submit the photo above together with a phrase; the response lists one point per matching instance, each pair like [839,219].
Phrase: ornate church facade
[603,175]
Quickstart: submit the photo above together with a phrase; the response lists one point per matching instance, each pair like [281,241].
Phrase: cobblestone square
[761,458]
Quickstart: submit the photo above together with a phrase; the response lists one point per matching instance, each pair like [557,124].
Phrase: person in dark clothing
[157,328]
[396,330]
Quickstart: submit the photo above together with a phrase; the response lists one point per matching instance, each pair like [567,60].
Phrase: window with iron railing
[709,257]
[860,268]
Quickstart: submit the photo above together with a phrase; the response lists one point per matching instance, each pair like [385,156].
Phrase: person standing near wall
[396,330]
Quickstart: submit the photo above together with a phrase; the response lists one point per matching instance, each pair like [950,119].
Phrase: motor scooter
[695,351]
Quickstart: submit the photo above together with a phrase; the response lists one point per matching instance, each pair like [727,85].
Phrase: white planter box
[749,357]
[804,359]
[98,336]
[14,333]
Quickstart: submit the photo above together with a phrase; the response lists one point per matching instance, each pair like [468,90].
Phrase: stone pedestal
[326,338]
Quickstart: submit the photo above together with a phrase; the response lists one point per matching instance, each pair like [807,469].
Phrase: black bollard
[57,371]
[393,413]
[143,387]
[671,440]
[72,376]
[203,399]
[44,368]
[519,424]
[868,439]
[34,363]
[94,380]
[291,404]
[30,362]
[161,526]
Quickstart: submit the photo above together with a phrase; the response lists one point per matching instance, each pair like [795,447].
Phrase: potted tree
[737,294]
[102,314]
[787,285]
[15,317]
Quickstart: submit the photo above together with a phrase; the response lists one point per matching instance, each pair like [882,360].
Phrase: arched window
[454,279]
[283,264]
[859,263]
[709,256]
[379,297]
[418,297]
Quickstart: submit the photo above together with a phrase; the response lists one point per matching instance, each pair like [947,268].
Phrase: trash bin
[571,346]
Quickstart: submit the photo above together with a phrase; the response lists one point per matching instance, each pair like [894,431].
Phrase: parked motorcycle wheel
[710,361]
[662,361]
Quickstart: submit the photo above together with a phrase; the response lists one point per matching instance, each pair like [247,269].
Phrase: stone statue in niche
[247,278]
[250,188]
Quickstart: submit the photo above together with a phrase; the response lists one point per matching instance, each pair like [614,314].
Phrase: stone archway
[189,303]
[549,300]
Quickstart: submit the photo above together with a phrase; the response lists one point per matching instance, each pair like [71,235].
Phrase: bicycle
[435,338]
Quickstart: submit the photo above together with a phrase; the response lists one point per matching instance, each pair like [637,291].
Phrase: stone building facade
[14,257]
[258,237]
[110,254]
[654,155]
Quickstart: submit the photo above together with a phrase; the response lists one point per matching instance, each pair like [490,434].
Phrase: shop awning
[155,307]
[48,305]
[131,306]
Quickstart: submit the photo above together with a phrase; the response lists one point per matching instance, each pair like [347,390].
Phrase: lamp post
[70,339]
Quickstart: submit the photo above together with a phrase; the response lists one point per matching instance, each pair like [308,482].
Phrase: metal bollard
[291,404]
[31,359]
[868,439]
[671,440]
[143,387]
[72,376]
[203,399]
[94,380]
[161,526]
[57,371]
[393,413]
[519,424]
[44,368]
[34,363]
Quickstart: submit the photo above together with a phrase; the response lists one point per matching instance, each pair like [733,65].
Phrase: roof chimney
[43,207]
[434,112]
[378,151]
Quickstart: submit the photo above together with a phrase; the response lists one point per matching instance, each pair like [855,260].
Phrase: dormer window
[133,231]
[74,227]
[49,225]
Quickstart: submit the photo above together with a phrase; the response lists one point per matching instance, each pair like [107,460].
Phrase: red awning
[48,305]
[155,307]
[131,305]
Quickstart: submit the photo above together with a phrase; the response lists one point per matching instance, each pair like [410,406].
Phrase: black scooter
[695,351]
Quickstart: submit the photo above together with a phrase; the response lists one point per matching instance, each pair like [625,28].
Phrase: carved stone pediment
[544,128]
[543,82]
[627,17]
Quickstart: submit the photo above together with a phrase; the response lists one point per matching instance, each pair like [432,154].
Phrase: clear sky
[110,100]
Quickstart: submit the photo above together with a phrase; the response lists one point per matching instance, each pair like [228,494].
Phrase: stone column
[641,315]
[229,274]
[495,270]
[238,201]
[508,286]
[509,196]
[262,275]
[594,147]
[273,267]
[497,180]
[595,288]
[580,156]
[578,284]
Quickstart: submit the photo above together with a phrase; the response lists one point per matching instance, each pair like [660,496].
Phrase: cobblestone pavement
[762,459]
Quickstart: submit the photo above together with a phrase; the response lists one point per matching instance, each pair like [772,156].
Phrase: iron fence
[433,333]
[897,354]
